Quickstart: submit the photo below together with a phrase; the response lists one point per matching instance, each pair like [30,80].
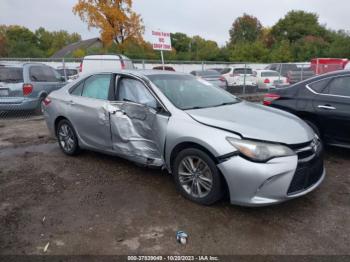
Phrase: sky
[210,19]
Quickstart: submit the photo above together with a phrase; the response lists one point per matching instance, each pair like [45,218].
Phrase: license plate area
[4,92]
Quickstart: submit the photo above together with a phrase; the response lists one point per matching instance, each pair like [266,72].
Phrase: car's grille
[309,169]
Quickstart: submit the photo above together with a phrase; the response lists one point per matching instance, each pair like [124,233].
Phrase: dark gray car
[24,86]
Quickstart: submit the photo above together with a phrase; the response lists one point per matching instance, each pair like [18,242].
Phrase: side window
[36,74]
[97,86]
[225,71]
[134,91]
[43,74]
[77,90]
[319,86]
[340,86]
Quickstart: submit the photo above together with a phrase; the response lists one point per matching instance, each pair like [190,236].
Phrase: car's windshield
[188,92]
[11,74]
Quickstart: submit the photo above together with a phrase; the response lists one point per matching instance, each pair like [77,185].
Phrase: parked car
[24,86]
[212,77]
[293,72]
[209,140]
[268,79]
[70,73]
[322,101]
[239,76]
[103,63]
[166,68]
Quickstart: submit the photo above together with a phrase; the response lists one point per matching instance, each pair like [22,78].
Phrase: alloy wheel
[195,176]
[66,137]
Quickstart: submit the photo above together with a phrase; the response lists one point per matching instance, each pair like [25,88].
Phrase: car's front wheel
[197,177]
[67,138]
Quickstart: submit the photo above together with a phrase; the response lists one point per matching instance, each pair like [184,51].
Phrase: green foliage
[79,53]
[246,28]
[249,52]
[18,41]
[296,25]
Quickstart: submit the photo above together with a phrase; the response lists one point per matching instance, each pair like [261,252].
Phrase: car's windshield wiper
[195,107]
[226,103]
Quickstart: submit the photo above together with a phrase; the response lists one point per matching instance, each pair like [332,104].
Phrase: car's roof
[141,72]
[19,64]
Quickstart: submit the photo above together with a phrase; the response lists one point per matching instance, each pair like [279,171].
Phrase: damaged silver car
[209,140]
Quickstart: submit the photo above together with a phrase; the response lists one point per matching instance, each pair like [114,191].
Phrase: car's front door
[87,109]
[333,109]
[138,123]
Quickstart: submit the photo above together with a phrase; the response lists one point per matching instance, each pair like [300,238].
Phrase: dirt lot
[96,204]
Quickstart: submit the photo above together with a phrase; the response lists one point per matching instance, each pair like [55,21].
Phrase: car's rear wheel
[39,110]
[67,138]
[197,177]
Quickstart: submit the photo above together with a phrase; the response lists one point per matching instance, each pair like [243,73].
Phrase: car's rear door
[333,110]
[138,122]
[87,110]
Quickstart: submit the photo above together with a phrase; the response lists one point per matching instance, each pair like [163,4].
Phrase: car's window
[69,72]
[134,91]
[243,71]
[340,86]
[225,70]
[97,86]
[319,86]
[78,89]
[43,74]
[11,74]
[187,92]
[269,74]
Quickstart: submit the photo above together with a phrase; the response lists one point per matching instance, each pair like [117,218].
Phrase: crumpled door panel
[135,133]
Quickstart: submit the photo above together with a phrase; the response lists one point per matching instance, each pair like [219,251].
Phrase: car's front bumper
[260,184]
[18,103]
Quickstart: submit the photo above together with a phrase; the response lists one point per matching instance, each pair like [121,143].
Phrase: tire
[314,127]
[67,138]
[188,180]
[39,108]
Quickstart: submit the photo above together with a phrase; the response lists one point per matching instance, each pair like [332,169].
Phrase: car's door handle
[328,107]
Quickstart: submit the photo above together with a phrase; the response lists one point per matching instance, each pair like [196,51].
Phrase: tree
[296,25]
[340,46]
[281,52]
[3,41]
[22,42]
[246,28]
[310,47]
[115,19]
[249,52]
[181,42]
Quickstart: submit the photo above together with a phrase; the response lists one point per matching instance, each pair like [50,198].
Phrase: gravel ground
[96,204]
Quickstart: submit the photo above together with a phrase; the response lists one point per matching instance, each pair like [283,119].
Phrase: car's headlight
[259,151]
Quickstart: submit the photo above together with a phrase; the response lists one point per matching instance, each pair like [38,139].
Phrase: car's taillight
[267,81]
[122,64]
[81,67]
[27,89]
[222,79]
[269,98]
[47,101]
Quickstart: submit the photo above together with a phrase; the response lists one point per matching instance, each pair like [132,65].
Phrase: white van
[104,63]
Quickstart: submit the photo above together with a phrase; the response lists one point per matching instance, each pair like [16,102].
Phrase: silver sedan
[209,140]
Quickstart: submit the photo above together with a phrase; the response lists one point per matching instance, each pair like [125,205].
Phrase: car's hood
[256,121]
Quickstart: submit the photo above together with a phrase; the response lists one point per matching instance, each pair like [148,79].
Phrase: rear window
[225,70]
[11,74]
[243,71]
[269,74]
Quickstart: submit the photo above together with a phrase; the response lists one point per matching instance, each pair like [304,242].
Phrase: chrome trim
[330,77]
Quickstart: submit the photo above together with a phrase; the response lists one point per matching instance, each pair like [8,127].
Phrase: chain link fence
[247,80]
